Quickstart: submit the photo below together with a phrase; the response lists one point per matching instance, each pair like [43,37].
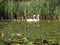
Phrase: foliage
[29,8]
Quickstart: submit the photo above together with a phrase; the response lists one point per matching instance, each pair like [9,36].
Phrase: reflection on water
[15,44]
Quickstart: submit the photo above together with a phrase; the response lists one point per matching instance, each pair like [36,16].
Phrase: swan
[33,20]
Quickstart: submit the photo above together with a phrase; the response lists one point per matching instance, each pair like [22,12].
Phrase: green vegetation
[47,9]
[21,31]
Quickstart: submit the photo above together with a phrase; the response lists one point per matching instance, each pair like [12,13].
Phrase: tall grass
[29,8]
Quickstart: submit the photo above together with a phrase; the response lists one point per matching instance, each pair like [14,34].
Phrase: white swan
[33,20]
